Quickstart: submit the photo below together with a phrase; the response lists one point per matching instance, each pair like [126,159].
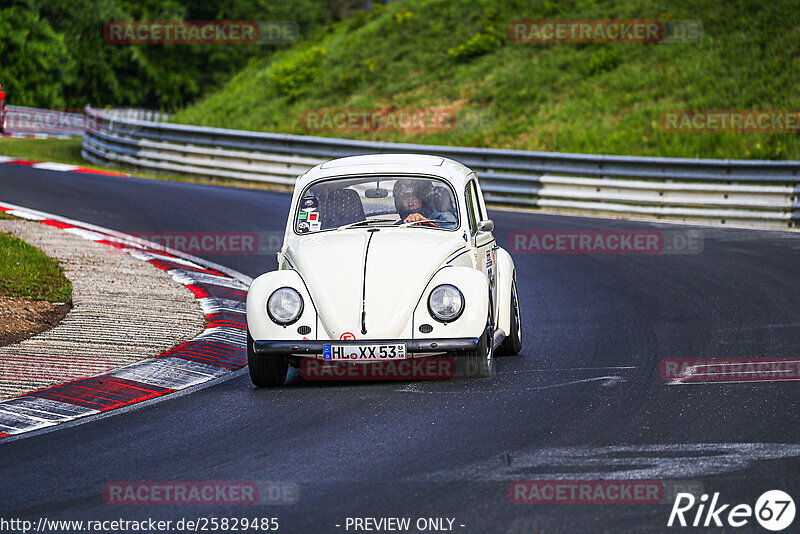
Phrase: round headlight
[285,306]
[446,303]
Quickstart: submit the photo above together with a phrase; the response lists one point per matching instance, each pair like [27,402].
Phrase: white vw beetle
[385,258]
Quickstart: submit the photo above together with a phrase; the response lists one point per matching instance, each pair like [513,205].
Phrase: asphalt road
[584,400]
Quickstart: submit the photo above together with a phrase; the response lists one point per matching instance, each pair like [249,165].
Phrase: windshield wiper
[364,222]
[425,221]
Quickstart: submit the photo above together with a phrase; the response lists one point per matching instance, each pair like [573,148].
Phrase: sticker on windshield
[315,226]
[309,202]
[313,216]
[302,215]
[302,227]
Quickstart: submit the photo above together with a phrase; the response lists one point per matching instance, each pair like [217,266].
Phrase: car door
[482,241]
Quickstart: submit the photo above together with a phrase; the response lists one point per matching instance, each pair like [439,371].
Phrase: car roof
[389,164]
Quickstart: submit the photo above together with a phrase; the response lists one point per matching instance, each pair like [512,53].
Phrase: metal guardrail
[136,114]
[22,121]
[30,122]
[748,192]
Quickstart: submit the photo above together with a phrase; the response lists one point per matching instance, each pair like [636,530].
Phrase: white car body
[371,284]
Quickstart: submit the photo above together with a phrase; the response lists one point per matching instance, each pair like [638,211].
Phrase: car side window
[472,207]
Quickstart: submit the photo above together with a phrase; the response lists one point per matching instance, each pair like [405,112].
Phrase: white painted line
[60,410]
[216,305]
[6,159]
[169,372]
[5,429]
[87,234]
[658,461]
[22,422]
[153,255]
[22,214]
[574,369]
[235,336]
[224,331]
[50,166]
[186,277]
[35,417]
[605,381]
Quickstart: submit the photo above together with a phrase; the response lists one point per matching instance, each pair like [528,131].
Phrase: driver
[413,200]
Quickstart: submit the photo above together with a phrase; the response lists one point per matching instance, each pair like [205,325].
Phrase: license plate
[364,353]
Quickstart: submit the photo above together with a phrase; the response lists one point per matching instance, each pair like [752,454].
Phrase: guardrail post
[795,222]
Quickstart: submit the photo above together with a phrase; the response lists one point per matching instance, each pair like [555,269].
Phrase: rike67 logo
[774,510]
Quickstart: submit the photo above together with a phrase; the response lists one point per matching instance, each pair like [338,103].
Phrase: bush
[604,60]
[34,61]
[477,45]
[293,79]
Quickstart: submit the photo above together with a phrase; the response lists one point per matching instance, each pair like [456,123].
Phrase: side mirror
[486,225]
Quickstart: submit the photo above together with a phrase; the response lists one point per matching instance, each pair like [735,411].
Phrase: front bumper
[413,346]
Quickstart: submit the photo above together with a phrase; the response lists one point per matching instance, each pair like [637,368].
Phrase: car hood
[399,264]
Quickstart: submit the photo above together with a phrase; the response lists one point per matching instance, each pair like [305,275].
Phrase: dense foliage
[53,54]
[572,97]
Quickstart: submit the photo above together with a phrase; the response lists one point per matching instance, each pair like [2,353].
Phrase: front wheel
[266,370]
[512,344]
[478,363]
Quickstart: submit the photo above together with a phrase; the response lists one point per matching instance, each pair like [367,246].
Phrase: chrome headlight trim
[450,291]
[289,315]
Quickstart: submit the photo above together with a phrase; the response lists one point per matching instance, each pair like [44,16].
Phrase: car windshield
[372,201]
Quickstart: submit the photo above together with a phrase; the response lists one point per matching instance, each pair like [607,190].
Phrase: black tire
[512,344]
[478,363]
[266,371]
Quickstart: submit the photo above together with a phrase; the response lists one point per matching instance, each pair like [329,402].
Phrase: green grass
[590,98]
[58,150]
[26,271]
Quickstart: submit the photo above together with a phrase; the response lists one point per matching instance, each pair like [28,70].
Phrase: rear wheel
[266,370]
[512,344]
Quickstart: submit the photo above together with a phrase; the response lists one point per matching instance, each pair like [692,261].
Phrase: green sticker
[302,215]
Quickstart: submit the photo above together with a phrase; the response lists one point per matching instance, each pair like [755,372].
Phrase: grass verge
[27,272]
[58,150]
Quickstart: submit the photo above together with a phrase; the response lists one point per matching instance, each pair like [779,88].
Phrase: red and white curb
[20,135]
[218,350]
[52,166]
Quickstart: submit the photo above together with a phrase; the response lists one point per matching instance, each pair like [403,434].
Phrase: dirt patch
[21,318]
